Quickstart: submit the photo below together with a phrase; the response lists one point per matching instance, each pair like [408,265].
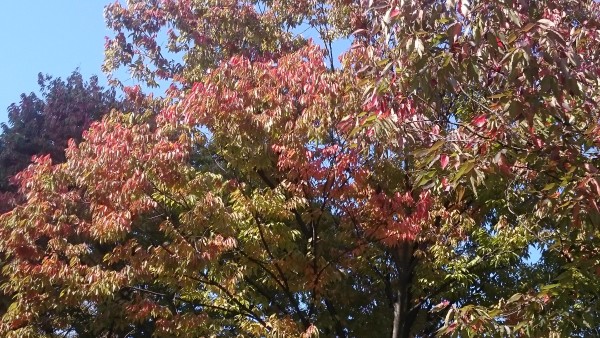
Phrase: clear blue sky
[49,36]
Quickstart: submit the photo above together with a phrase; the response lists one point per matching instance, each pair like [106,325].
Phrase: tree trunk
[397,317]
[404,316]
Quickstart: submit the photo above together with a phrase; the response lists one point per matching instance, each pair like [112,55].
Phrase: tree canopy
[40,125]
[443,180]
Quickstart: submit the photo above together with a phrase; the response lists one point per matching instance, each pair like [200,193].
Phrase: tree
[398,195]
[39,126]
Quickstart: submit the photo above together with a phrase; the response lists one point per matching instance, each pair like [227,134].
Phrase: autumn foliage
[40,125]
[442,178]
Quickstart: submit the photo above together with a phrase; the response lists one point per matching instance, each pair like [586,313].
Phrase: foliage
[400,195]
[43,125]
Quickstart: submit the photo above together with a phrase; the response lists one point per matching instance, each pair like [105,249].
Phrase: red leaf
[479,121]
[444,159]
[538,141]
[499,43]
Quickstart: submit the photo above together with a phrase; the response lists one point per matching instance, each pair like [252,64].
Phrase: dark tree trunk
[404,315]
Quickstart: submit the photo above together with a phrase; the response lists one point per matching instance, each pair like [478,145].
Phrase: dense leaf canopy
[40,125]
[400,194]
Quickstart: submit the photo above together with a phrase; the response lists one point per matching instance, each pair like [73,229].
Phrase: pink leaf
[442,305]
[479,121]
[444,159]
[464,7]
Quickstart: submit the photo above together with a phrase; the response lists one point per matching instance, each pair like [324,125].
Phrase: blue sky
[49,36]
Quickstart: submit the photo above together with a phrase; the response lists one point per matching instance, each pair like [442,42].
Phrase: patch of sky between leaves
[535,255]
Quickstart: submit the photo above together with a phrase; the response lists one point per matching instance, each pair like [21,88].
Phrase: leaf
[479,121]
[514,17]
[424,152]
[528,27]
[465,168]
[464,6]
[390,14]
[545,23]
[515,298]
[419,46]
[444,159]
[453,31]
[499,96]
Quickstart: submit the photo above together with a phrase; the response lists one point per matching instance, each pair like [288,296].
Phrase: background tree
[43,125]
[398,195]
